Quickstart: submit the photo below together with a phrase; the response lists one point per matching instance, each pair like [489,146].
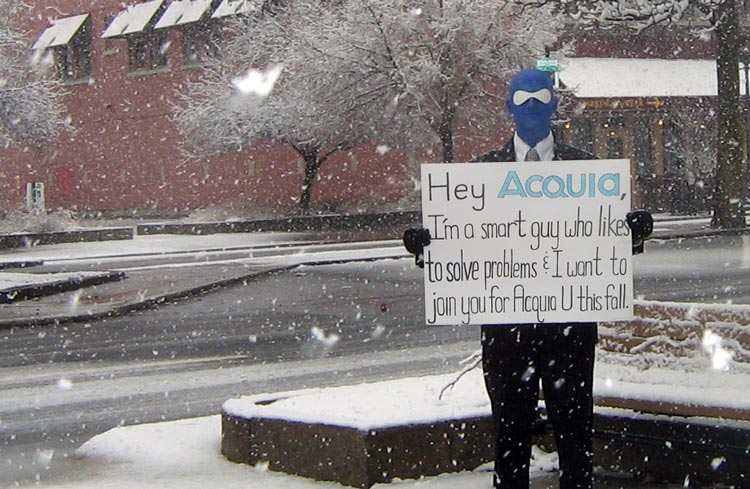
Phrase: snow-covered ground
[160,244]
[186,454]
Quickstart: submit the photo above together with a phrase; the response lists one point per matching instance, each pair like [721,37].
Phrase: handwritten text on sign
[527,243]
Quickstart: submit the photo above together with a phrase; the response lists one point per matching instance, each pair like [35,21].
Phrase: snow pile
[45,222]
[181,454]
[690,382]
[375,405]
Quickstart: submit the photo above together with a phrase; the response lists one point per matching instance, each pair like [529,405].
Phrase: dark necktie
[532,155]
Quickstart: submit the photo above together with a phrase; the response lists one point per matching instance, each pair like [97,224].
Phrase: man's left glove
[641,226]
[415,239]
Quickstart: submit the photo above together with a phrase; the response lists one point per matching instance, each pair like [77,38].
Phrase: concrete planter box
[358,458]
[661,443]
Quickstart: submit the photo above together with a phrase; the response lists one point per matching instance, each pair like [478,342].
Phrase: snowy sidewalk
[156,269]
[186,453]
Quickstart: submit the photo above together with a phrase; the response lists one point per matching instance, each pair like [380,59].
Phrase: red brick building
[122,66]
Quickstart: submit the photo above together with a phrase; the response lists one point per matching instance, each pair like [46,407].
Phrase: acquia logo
[571,185]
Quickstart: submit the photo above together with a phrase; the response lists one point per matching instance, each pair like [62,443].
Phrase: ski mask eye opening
[520,97]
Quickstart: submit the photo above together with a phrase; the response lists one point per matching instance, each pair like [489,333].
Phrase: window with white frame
[73,60]
[69,40]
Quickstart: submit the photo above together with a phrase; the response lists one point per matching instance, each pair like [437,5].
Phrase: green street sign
[548,64]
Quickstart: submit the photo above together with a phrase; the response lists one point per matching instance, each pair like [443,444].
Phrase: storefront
[660,114]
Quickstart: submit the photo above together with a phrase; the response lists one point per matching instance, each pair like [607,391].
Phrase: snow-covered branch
[364,71]
[31,108]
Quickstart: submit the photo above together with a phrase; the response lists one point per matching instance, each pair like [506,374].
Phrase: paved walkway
[83,281]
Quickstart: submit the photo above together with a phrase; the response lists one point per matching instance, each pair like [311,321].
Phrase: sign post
[35,197]
[517,243]
[552,66]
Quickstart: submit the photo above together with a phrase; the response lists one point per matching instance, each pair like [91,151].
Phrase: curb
[40,290]
[697,233]
[362,222]
[343,223]
[25,240]
[129,307]
[331,223]
[20,264]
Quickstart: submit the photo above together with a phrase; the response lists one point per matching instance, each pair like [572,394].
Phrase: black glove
[415,239]
[641,226]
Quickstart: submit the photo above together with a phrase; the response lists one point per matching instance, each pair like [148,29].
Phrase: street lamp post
[745,67]
[744,59]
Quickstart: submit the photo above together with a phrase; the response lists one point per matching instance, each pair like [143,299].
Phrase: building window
[201,40]
[73,60]
[68,40]
[672,143]
[582,136]
[614,148]
[643,140]
[147,51]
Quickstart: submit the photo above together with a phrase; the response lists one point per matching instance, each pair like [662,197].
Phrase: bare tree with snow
[357,71]
[717,18]
[31,108]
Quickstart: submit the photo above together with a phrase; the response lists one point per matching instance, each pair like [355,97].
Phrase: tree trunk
[731,163]
[446,140]
[445,131]
[312,164]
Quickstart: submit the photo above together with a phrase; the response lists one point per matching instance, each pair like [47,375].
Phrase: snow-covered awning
[616,77]
[60,32]
[181,12]
[133,18]
[234,7]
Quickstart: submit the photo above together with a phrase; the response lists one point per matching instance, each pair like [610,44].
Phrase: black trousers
[515,358]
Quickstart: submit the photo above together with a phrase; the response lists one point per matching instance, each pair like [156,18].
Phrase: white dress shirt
[545,148]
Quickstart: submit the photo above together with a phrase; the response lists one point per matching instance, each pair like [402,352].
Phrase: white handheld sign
[517,243]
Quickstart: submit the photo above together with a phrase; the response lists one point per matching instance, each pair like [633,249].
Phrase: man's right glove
[415,239]
[641,226]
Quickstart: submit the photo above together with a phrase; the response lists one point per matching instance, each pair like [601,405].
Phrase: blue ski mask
[532,103]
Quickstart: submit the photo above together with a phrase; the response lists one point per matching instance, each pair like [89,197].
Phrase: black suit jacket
[508,153]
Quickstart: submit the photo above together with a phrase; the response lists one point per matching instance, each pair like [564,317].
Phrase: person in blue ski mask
[517,358]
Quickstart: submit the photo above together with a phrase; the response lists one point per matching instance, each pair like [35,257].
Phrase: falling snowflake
[712,345]
[258,82]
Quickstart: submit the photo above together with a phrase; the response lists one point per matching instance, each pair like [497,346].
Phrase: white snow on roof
[60,32]
[133,19]
[234,7]
[617,77]
[182,12]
